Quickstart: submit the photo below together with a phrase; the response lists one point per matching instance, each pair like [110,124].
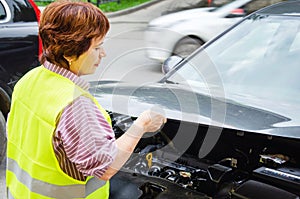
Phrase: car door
[5,17]
[18,39]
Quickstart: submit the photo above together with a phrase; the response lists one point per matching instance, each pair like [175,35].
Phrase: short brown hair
[67,29]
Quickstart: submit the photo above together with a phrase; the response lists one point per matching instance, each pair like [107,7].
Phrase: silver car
[233,110]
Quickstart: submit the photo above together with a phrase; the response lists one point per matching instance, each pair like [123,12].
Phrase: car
[20,48]
[183,32]
[233,110]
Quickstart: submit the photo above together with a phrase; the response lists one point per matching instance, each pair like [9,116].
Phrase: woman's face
[88,62]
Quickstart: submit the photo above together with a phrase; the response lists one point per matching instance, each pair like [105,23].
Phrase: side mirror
[170,63]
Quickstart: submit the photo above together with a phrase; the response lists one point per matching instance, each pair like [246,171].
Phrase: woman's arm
[148,121]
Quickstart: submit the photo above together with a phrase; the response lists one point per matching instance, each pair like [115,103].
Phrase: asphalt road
[126,56]
[125,47]
[126,59]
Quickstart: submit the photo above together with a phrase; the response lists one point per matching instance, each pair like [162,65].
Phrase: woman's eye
[98,48]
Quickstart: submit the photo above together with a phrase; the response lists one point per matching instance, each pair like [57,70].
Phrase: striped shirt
[84,142]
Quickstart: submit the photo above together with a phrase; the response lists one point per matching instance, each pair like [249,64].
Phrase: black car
[233,110]
[19,50]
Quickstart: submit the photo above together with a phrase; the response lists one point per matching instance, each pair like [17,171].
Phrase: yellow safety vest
[33,171]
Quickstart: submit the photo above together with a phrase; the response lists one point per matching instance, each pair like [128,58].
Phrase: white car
[183,32]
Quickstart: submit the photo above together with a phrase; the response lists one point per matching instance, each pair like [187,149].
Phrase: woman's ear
[69,60]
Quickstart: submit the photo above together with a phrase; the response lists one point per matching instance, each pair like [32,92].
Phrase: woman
[60,142]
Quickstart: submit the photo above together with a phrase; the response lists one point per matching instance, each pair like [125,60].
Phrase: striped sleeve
[86,137]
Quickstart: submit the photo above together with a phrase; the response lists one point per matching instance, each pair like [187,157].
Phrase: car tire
[2,137]
[186,46]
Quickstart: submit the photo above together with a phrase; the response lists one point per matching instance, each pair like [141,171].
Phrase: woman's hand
[150,121]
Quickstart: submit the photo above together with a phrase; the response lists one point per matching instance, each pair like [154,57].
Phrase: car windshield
[256,62]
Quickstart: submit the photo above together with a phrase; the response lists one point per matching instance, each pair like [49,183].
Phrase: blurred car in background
[183,32]
[233,109]
[19,50]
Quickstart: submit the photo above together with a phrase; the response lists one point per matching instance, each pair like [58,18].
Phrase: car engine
[240,165]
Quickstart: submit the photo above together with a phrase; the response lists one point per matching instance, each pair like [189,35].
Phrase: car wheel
[2,137]
[186,46]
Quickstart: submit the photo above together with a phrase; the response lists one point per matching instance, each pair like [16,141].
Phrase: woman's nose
[102,53]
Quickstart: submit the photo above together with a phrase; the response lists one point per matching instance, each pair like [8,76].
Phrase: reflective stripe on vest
[51,190]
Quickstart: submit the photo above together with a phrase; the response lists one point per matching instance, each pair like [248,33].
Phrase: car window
[23,11]
[258,59]
[2,12]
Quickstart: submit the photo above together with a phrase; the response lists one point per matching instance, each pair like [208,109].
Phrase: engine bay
[239,165]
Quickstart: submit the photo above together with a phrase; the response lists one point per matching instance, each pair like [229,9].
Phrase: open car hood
[186,105]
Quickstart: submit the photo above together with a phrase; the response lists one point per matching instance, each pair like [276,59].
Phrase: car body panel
[19,45]
[19,51]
